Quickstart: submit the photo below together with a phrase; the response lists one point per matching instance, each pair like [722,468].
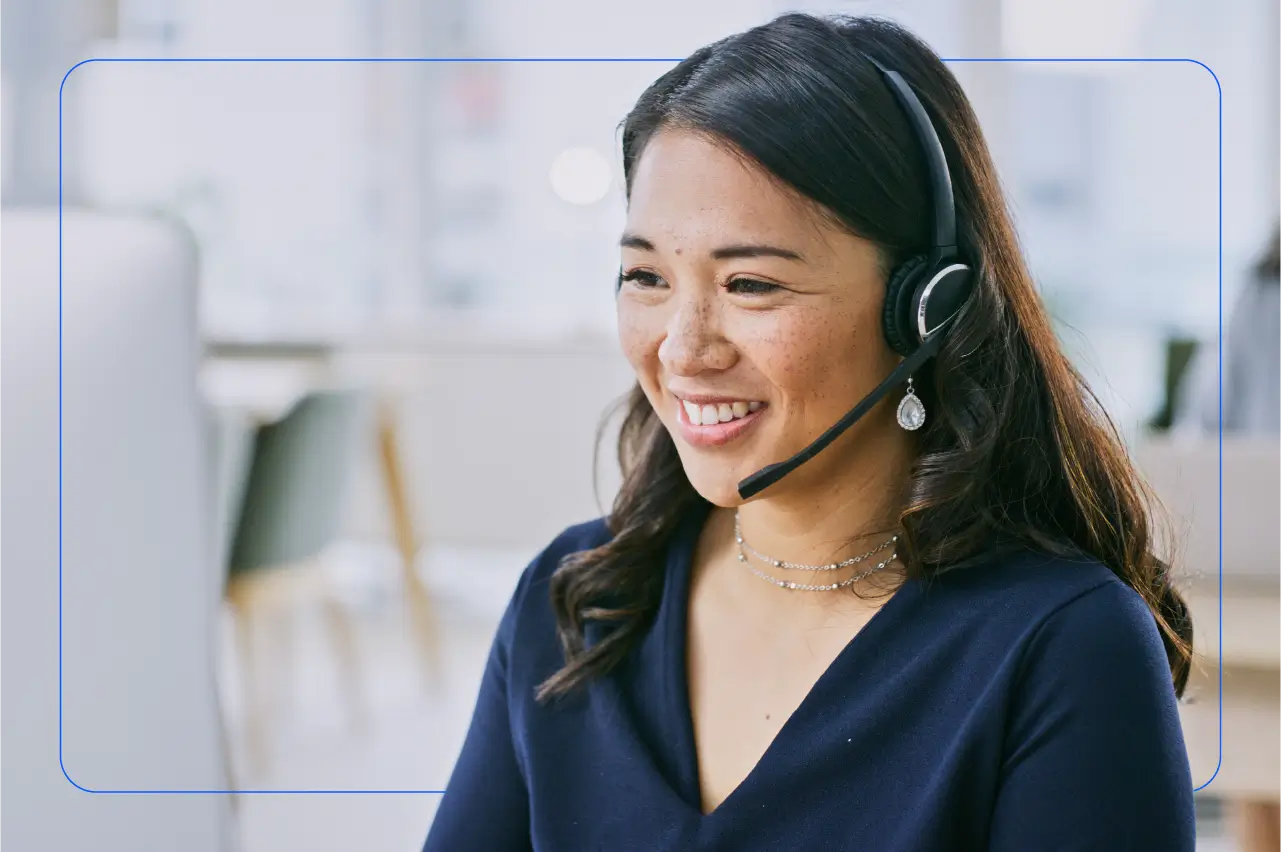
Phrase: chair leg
[424,628]
[254,710]
[230,771]
[420,609]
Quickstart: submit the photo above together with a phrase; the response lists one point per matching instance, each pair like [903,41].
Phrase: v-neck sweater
[1023,703]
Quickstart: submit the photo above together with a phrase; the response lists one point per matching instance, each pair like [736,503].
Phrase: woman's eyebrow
[634,241]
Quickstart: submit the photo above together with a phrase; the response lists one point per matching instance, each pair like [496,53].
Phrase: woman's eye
[641,278]
[647,280]
[751,287]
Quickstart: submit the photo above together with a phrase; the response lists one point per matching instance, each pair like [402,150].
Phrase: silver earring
[911,411]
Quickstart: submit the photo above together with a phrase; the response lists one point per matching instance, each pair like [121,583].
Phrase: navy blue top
[1025,705]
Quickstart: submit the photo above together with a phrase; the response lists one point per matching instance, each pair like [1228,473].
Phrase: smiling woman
[945,629]
[766,300]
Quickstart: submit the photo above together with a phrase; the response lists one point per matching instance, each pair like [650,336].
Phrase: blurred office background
[356,319]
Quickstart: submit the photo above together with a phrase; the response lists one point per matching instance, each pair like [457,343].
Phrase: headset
[922,296]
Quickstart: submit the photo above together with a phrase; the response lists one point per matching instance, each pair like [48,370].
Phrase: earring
[911,411]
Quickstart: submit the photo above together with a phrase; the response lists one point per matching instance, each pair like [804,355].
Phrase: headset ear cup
[898,296]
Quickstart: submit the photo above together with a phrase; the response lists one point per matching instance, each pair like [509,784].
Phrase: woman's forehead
[691,190]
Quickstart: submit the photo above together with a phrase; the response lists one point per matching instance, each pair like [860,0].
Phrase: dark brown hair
[1020,453]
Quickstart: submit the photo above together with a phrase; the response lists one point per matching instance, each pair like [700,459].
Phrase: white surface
[139,709]
[1185,476]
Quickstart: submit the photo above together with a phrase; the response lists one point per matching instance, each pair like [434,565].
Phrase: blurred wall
[39,42]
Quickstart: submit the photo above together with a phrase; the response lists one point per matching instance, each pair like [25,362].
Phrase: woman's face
[752,322]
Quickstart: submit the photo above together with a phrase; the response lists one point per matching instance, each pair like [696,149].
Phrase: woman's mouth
[715,423]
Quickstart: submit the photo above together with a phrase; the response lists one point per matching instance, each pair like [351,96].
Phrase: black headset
[922,296]
[925,291]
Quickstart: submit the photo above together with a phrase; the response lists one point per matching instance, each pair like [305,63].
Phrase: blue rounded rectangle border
[391,60]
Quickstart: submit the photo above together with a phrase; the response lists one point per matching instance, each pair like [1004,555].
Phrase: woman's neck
[821,532]
[821,518]
[809,527]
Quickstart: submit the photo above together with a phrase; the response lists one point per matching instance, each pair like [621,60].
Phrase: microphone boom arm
[767,476]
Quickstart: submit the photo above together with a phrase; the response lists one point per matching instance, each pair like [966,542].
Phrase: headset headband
[932,148]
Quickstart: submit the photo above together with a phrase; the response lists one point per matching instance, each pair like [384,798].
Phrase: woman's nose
[694,342]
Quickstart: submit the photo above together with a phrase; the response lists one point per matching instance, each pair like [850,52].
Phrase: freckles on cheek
[802,359]
[792,351]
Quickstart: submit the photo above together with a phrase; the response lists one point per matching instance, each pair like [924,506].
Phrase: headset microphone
[922,295]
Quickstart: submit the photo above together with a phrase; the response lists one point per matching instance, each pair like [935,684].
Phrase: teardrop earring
[911,411]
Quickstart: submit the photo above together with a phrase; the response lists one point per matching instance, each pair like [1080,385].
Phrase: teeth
[724,412]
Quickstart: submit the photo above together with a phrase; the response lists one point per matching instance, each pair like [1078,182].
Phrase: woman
[944,631]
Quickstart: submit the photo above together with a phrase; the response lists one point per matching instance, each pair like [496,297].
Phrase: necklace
[779,563]
[744,548]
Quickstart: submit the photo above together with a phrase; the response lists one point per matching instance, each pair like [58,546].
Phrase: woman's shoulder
[1027,579]
[531,599]
[528,640]
[587,535]
[1035,606]
[1086,645]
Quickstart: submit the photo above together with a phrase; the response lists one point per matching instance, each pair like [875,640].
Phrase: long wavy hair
[1020,451]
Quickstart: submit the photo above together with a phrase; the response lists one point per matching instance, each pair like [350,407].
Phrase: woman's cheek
[636,338]
[787,353]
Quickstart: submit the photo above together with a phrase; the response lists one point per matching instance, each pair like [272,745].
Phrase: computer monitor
[138,591]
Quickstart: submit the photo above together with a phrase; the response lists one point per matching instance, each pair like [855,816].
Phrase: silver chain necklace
[779,563]
[744,547]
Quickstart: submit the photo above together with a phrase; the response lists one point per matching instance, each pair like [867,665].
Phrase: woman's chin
[716,472]
[716,487]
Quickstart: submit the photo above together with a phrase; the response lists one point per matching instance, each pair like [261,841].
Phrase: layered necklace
[744,549]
